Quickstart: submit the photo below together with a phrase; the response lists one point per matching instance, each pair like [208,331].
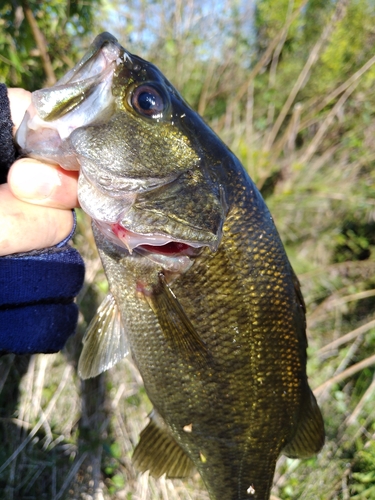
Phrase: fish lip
[49,107]
[105,47]
[102,65]
[176,257]
[151,244]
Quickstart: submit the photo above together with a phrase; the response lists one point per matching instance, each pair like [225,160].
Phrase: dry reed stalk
[275,61]
[333,302]
[50,407]
[353,417]
[268,52]
[361,365]
[332,346]
[72,473]
[320,134]
[303,76]
[313,115]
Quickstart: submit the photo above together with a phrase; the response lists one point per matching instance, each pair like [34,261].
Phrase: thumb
[43,184]
[26,227]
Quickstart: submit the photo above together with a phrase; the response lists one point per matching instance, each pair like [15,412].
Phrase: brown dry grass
[63,438]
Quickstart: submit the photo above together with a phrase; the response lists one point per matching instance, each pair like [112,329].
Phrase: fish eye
[148,101]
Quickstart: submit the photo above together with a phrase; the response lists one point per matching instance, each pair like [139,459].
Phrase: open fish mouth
[76,100]
[127,222]
[172,254]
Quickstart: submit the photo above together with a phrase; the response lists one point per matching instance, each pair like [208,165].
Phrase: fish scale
[201,291]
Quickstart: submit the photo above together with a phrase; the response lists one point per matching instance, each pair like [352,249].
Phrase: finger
[20,100]
[43,184]
[26,227]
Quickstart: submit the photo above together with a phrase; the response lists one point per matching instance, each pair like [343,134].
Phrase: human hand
[36,203]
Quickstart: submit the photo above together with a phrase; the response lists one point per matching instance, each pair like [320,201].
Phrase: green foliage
[349,43]
[289,87]
[271,16]
[65,26]
[364,486]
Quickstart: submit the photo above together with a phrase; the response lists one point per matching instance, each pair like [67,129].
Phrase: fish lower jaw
[173,255]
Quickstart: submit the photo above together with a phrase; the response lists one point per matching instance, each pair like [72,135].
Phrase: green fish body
[202,292]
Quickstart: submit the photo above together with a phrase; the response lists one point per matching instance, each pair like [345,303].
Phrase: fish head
[151,171]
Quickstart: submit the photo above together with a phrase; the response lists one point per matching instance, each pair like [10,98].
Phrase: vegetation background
[289,86]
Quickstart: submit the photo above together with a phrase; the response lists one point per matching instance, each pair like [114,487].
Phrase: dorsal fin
[309,437]
[105,342]
[158,451]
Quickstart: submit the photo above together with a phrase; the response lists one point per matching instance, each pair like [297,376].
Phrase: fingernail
[31,180]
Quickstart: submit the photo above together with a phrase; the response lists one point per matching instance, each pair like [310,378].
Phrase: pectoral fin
[105,342]
[309,437]
[176,325]
[158,452]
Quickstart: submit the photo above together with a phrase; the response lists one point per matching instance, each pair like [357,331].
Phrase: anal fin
[309,437]
[159,453]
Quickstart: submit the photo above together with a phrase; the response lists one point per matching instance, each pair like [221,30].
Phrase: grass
[63,438]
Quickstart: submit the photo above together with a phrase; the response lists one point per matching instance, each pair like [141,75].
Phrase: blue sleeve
[37,290]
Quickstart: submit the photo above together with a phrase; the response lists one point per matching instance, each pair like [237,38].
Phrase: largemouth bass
[201,290]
